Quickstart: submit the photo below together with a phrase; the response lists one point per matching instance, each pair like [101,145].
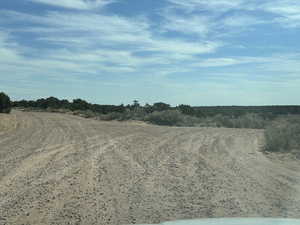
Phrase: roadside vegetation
[283,135]
[281,123]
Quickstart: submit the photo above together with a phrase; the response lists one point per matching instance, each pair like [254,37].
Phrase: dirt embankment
[62,169]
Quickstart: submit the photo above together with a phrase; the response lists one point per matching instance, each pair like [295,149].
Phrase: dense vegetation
[5,103]
[281,123]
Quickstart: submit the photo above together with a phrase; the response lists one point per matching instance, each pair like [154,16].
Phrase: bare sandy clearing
[62,169]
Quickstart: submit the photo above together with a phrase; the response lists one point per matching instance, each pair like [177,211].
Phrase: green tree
[160,106]
[136,104]
[5,103]
[79,104]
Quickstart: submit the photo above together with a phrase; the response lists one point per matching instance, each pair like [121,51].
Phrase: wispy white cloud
[9,50]
[242,20]
[285,65]
[75,4]
[195,24]
[282,7]
[14,61]
[89,30]
[210,18]
[287,12]
[215,5]
[221,62]
[284,12]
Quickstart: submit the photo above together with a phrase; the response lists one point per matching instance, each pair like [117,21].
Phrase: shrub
[186,109]
[79,104]
[113,116]
[160,106]
[250,120]
[168,117]
[135,114]
[171,118]
[283,135]
[5,103]
[82,113]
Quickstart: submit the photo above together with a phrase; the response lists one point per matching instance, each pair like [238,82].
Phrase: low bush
[136,114]
[283,135]
[82,113]
[112,116]
[250,120]
[176,118]
[171,118]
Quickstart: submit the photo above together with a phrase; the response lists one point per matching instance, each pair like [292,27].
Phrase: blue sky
[197,52]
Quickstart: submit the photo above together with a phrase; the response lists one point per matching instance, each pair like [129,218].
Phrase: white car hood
[235,221]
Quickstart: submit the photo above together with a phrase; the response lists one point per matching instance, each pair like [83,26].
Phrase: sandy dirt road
[62,169]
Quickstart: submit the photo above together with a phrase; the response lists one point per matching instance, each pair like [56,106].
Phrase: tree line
[199,111]
[268,112]
[79,104]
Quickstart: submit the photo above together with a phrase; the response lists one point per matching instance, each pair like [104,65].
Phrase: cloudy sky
[198,52]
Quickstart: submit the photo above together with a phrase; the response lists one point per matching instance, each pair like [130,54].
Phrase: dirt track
[62,169]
